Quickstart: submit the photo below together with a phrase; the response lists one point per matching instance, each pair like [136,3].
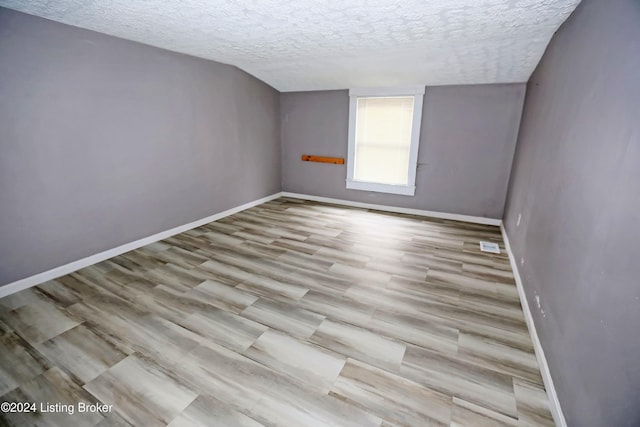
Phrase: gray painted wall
[104,141]
[467,142]
[576,182]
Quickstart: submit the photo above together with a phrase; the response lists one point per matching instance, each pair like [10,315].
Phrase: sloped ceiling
[299,45]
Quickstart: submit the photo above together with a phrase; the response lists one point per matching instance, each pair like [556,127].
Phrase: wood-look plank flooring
[291,313]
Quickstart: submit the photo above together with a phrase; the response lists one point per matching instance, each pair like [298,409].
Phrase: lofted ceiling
[297,45]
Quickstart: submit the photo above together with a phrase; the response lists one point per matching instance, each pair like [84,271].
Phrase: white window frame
[418,96]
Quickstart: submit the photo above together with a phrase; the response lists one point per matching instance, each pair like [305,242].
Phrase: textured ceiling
[334,44]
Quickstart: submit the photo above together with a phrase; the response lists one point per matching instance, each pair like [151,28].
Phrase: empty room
[357,213]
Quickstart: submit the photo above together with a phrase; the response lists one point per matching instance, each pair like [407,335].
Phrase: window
[384,129]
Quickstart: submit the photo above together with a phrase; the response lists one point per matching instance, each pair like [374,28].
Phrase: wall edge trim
[395,209]
[36,279]
[552,395]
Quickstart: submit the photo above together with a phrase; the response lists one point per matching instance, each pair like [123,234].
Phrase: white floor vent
[490,247]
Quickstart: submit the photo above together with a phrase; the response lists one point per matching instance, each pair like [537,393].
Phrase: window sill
[405,190]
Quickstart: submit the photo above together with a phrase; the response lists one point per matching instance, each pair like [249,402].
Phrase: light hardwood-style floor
[291,313]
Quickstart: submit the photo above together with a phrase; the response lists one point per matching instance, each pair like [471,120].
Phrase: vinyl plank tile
[343,257]
[316,273]
[499,357]
[475,257]
[396,301]
[189,243]
[112,419]
[19,299]
[515,339]
[271,270]
[39,321]
[128,290]
[124,264]
[446,374]
[249,320]
[226,329]
[246,228]
[256,236]
[184,258]
[473,285]
[255,283]
[360,344]
[462,320]
[137,330]
[220,226]
[284,317]
[177,277]
[262,249]
[225,297]
[433,292]
[174,305]
[273,289]
[466,414]
[494,305]
[141,392]
[80,287]
[380,251]
[308,262]
[438,242]
[432,262]
[298,246]
[329,230]
[360,275]
[195,232]
[58,293]
[462,315]
[82,353]
[392,299]
[337,307]
[4,328]
[52,386]
[532,403]
[325,281]
[290,407]
[391,397]
[214,370]
[312,366]
[176,256]
[19,362]
[207,411]
[139,260]
[326,242]
[156,247]
[286,403]
[489,273]
[415,330]
[398,268]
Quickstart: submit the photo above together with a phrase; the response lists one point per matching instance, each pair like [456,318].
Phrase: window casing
[384,131]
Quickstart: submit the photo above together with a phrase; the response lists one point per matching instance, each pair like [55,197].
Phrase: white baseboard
[554,403]
[39,278]
[395,209]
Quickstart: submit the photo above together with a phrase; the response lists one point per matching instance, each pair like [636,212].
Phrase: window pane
[383,139]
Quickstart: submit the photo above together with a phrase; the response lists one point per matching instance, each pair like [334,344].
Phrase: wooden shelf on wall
[333,160]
